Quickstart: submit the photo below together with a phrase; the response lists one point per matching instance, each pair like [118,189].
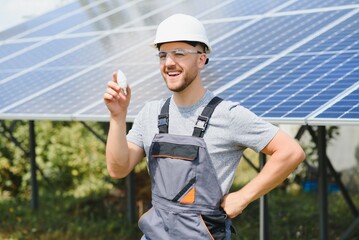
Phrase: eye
[162,55]
[179,52]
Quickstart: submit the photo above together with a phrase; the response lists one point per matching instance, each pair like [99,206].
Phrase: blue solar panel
[102,48]
[342,37]
[294,87]
[40,52]
[10,48]
[284,60]
[310,4]
[29,25]
[81,16]
[344,108]
[234,9]
[30,83]
[258,39]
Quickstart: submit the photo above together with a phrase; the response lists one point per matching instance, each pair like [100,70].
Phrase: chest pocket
[173,171]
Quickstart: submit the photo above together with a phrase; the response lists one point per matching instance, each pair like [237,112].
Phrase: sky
[13,12]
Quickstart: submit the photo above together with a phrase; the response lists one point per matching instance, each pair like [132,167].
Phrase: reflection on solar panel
[288,61]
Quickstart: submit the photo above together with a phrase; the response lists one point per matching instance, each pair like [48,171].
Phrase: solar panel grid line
[335,52]
[325,88]
[99,102]
[21,40]
[262,76]
[243,57]
[346,112]
[82,45]
[253,21]
[230,72]
[349,72]
[335,100]
[53,86]
[309,98]
[50,38]
[315,10]
[240,18]
[281,14]
[36,66]
[219,6]
[308,4]
[84,20]
[21,27]
[137,82]
[104,15]
[287,33]
[287,51]
[84,114]
[26,49]
[55,20]
[287,73]
[84,34]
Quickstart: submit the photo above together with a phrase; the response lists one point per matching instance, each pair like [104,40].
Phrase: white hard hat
[181,27]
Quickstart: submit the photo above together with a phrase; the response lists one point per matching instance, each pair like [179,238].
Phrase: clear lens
[175,54]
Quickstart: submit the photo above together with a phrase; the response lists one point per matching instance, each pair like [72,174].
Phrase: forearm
[117,156]
[275,171]
[286,155]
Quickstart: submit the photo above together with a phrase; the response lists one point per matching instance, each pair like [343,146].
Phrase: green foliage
[78,200]
[69,157]
[98,216]
[296,217]
[13,162]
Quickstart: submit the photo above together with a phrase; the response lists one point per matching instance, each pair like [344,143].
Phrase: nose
[169,60]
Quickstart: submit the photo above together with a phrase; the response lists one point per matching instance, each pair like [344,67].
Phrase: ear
[202,60]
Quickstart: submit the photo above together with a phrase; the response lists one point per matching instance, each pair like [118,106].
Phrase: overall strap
[203,119]
[163,117]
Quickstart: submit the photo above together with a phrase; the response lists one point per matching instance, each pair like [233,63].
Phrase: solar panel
[345,108]
[288,61]
[38,21]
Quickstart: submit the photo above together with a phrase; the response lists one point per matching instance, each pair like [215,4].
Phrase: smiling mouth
[173,74]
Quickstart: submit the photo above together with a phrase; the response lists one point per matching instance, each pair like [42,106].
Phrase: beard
[180,84]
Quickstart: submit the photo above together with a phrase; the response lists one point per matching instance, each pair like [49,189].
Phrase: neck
[189,96]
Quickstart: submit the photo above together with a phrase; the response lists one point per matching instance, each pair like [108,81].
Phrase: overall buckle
[202,122]
[162,120]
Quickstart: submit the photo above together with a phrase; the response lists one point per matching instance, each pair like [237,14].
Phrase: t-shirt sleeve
[250,130]
[135,135]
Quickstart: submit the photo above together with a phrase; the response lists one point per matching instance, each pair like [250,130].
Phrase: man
[193,142]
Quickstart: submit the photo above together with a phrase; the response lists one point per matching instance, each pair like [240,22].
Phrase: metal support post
[131,198]
[33,180]
[263,210]
[131,191]
[323,186]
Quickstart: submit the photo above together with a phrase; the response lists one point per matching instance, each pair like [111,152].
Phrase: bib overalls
[186,194]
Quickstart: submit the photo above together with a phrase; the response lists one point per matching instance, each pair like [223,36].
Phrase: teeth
[173,73]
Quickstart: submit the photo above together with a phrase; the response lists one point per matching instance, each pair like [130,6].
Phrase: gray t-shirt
[232,128]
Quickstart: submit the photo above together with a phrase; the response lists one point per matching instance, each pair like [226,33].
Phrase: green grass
[102,217]
[64,217]
[297,217]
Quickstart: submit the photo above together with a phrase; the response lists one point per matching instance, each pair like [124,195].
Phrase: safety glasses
[175,54]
